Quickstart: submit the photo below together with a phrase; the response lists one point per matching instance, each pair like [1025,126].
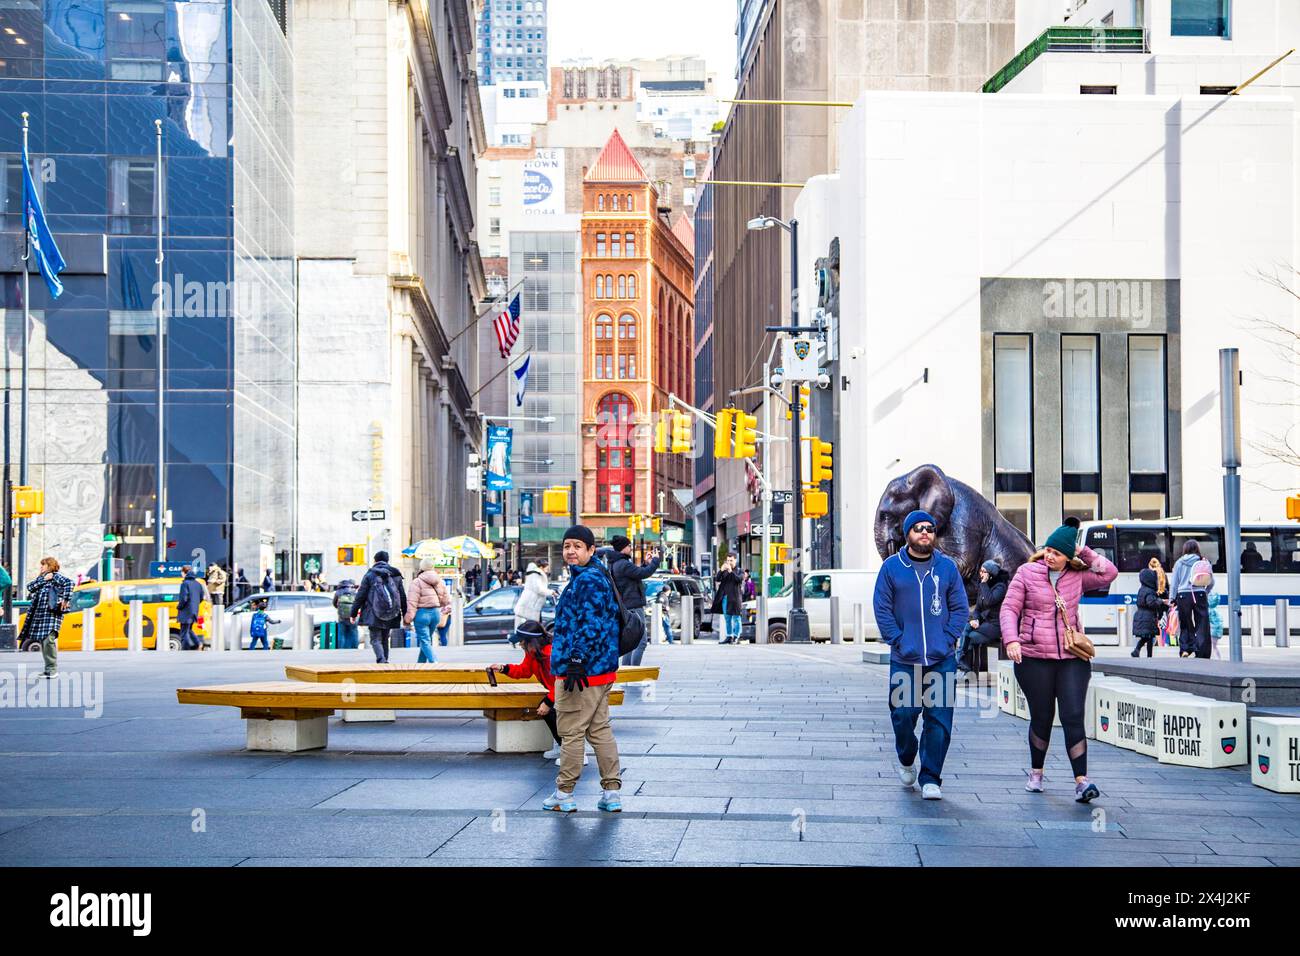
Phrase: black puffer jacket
[1150,608]
[361,604]
[628,576]
[987,606]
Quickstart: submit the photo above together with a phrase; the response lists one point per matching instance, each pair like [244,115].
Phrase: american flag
[507,327]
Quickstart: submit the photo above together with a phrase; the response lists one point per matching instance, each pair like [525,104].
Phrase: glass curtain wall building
[94,75]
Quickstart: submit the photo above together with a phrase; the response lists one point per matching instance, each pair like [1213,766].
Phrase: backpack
[383,600]
[257,626]
[346,600]
[631,629]
[1202,574]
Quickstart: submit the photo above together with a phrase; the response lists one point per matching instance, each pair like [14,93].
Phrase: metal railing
[1070,40]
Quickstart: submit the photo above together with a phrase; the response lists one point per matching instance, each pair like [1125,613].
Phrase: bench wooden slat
[301,696]
[427,674]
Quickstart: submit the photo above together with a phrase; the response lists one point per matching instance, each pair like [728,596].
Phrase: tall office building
[512,41]
[219,75]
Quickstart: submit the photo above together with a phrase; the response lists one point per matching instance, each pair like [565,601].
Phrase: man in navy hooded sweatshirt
[920,606]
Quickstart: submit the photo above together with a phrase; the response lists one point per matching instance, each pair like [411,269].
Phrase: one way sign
[368,515]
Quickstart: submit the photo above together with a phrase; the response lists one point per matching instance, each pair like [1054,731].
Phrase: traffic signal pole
[797,631]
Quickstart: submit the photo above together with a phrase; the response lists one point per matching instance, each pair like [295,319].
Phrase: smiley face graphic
[1105,723]
[1229,744]
[1006,696]
[1263,763]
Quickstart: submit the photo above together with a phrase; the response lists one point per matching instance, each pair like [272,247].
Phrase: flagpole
[484,314]
[160,488]
[20,570]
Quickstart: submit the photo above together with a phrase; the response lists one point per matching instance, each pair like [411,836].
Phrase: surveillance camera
[823,380]
[777,379]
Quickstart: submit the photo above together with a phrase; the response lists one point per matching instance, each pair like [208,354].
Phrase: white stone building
[1035,283]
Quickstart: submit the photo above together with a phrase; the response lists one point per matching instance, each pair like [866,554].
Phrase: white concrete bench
[1275,753]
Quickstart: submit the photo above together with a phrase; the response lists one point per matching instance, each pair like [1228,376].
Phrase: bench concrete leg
[518,736]
[369,716]
[288,736]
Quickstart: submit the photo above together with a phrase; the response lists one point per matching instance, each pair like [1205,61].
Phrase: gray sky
[622,29]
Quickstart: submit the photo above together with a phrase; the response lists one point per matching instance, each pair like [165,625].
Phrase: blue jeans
[252,643]
[914,692]
[668,628]
[349,638]
[426,619]
[731,623]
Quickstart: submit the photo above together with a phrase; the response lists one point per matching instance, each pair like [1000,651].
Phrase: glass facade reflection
[94,75]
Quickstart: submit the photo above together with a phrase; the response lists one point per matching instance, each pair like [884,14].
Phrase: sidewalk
[740,755]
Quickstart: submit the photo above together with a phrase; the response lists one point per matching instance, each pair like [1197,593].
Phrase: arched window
[631,244]
[600,287]
[626,326]
[622,287]
[615,458]
[631,287]
[604,327]
[600,201]
[616,202]
[629,202]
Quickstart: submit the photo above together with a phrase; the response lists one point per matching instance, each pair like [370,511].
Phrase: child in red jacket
[536,644]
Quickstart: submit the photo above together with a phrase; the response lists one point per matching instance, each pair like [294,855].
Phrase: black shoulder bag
[631,629]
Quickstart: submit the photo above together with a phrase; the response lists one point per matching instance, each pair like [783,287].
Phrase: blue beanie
[916,517]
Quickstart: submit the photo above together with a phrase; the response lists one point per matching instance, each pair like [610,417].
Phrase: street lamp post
[483,561]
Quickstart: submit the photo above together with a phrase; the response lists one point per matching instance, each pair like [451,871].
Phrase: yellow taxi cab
[110,602]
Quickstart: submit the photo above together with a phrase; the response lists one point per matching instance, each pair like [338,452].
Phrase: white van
[851,587]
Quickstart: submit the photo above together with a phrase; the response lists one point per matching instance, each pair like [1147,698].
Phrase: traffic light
[778,553]
[352,554]
[746,435]
[802,402]
[555,501]
[820,453]
[661,433]
[1293,508]
[722,433]
[815,504]
[28,501]
[657,525]
[681,433]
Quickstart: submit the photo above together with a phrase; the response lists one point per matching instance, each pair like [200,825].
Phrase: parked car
[280,607]
[490,617]
[110,602]
[669,589]
[852,587]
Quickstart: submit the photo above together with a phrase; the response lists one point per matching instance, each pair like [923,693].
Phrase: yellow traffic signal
[815,504]
[722,433]
[802,402]
[555,501]
[657,525]
[779,553]
[746,435]
[821,454]
[1293,508]
[681,433]
[661,433]
[28,501]
[352,554]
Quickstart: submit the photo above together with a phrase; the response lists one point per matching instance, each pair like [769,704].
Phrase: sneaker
[560,802]
[552,754]
[907,775]
[610,802]
[1086,791]
[1035,783]
[931,791]
[51,675]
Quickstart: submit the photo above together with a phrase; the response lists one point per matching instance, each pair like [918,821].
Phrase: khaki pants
[584,715]
[50,653]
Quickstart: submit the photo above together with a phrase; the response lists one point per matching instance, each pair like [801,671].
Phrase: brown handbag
[1076,642]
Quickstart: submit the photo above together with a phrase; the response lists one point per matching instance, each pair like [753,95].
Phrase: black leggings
[1047,685]
[1144,639]
[549,717]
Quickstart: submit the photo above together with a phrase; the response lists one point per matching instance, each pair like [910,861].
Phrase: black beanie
[381,556]
[620,542]
[580,533]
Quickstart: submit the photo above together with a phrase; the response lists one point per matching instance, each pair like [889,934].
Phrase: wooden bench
[289,716]
[424,674]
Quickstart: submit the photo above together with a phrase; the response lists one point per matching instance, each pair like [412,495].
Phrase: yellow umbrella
[463,546]
[432,549]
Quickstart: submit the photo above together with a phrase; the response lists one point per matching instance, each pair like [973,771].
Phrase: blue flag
[521,380]
[40,242]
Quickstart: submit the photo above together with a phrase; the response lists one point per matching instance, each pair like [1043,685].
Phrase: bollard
[655,622]
[859,624]
[688,619]
[456,636]
[216,632]
[135,627]
[836,636]
[1256,625]
[1122,625]
[301,629]
[88,629]
[1281,623]
[162,631]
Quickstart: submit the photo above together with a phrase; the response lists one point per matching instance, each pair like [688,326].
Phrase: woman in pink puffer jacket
[1033,635]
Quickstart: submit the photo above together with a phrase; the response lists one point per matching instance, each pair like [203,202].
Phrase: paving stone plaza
[737,756]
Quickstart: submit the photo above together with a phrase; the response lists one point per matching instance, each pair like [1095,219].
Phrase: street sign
[165,569]
[369,515]
[782,497]
[776,530]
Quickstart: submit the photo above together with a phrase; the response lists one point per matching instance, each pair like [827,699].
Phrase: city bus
[1270,567]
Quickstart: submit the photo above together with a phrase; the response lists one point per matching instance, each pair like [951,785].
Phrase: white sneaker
[931,791]
[552,754]
[907,775]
